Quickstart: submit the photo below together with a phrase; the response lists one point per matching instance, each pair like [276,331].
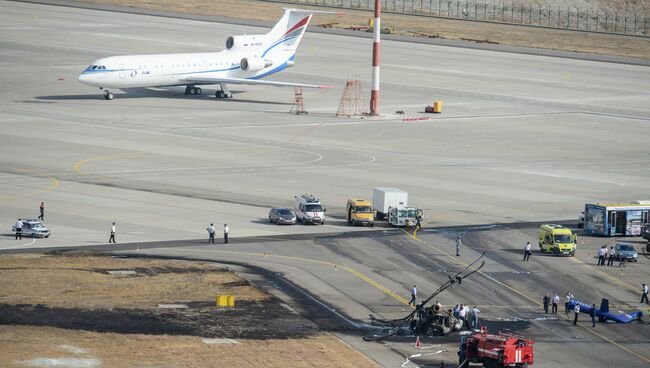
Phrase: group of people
[608,255]
[554,302]
[211,230]
[469,317]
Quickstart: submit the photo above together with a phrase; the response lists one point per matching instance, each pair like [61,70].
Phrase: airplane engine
[240,42]
[254,64]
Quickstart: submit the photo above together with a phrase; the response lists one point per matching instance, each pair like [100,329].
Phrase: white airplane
[246,60]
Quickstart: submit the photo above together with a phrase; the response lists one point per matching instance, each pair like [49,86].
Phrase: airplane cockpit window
[94,67]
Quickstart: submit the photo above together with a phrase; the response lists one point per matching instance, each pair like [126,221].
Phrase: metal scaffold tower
[298,102]
[351,101]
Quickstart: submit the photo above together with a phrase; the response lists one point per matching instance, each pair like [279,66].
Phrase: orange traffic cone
[417,342]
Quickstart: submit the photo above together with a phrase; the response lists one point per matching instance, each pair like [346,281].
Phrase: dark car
[282,216]
[626,251]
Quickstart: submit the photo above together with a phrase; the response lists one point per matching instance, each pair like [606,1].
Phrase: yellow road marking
[78,164]
[331,264]
[54,183]
[414,237]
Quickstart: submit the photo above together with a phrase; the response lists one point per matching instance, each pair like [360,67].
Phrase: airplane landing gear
[108,95]
[191,90]
[224,93]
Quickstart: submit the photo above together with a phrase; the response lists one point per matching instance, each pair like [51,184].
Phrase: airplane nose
[83,78]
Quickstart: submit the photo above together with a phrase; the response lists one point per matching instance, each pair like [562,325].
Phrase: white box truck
[383,198]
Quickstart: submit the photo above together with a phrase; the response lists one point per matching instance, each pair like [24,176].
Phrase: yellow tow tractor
[557,239]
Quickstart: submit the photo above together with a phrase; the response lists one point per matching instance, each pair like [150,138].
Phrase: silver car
[626,251]
[33,228]
[282,215]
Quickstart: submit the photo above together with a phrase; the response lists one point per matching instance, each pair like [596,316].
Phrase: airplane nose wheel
[108,95]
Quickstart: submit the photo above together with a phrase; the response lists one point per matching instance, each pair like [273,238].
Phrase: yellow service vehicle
[359,211]
[557,239]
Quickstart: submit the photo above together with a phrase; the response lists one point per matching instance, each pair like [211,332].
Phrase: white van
[309,210]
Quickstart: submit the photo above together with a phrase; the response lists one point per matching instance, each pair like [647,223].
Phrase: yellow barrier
[225,301]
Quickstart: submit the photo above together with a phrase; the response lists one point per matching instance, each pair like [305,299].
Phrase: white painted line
[22,245]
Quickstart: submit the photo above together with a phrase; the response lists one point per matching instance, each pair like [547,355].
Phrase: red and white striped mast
[374,93]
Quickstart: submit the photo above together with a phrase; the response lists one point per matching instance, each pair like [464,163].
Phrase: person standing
[226,230]
[601,255]
[592,313]
[211,231]
[555,301]
[546,301]
[462,314]
[567,298]
[576,310]
[19,229]
[459,243]
[42,212]
[475,313]
[644,293]
[528,250]
[612,253]
[112,238]
[414,294]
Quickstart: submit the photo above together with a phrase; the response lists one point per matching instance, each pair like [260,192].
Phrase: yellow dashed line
[54,183]
[414,237]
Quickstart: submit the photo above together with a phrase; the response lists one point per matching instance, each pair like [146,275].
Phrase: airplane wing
[216,80]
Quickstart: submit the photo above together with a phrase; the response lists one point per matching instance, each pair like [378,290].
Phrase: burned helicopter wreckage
[426,321]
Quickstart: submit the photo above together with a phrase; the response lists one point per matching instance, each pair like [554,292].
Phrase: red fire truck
[495,351]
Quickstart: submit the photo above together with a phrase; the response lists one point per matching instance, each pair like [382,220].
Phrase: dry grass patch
[19,344]
[448,28]
[84,282]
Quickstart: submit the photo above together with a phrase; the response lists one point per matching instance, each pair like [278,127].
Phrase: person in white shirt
[112,238]
[567,299]
[644,293]
[576,309]
[19,229]
[211,231]
[462,314]
[554,301]
[475,313]
[612,253]
[226,230]
[414,294]
[601,255]
[528,250]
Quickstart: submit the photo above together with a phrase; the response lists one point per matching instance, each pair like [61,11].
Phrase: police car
[33,228]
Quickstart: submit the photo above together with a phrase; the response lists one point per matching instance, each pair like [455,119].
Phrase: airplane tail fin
[604,306]
[288,31]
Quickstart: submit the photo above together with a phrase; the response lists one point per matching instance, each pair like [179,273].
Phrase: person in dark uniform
[42,211]
[546,302]
[592,313]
